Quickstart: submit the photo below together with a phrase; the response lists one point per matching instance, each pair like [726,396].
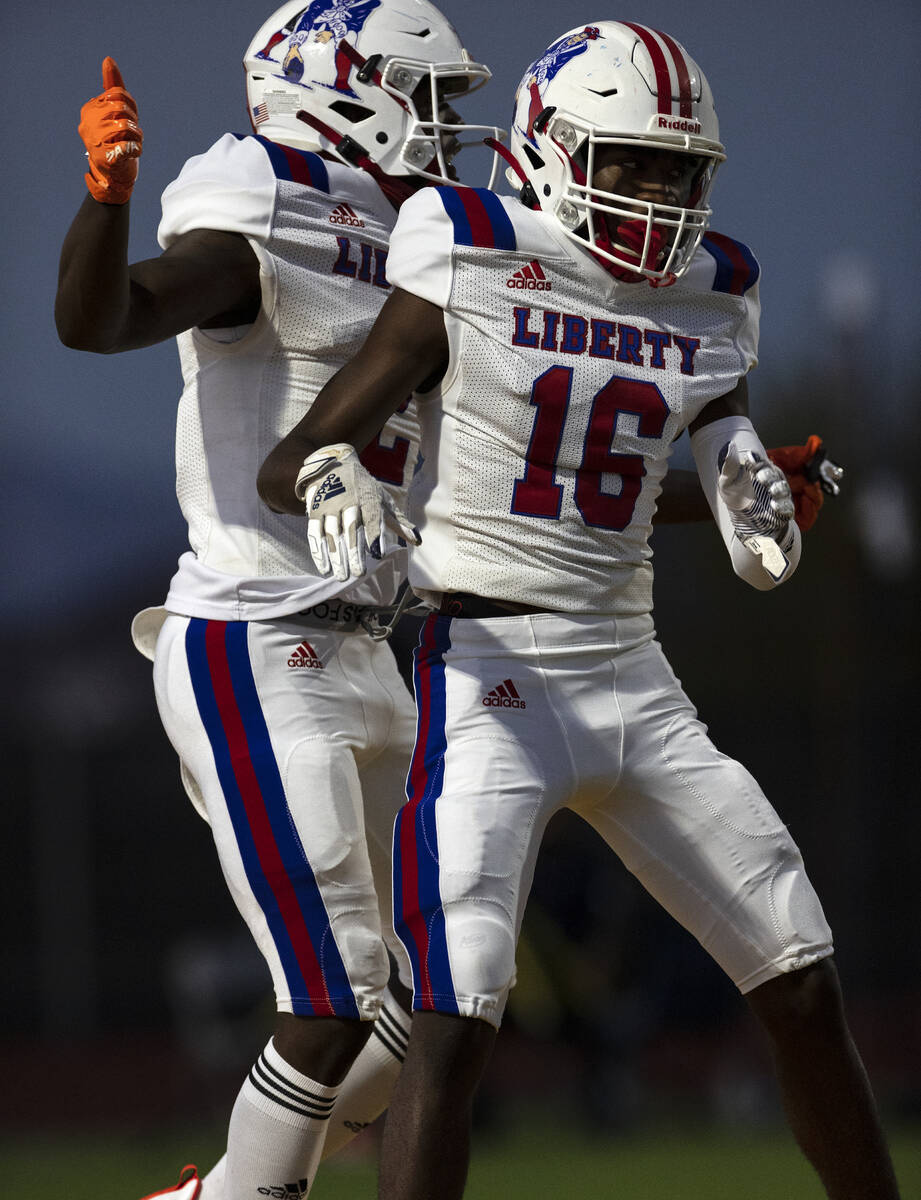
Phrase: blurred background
[133,1002]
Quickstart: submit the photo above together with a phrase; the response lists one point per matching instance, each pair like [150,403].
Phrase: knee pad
[481,948]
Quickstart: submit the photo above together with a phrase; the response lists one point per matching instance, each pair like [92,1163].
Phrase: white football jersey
[320,231]
[545,445]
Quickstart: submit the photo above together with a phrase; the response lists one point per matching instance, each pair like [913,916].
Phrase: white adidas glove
[760,504]
[349,513]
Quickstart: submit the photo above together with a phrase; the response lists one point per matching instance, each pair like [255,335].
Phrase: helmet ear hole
[533,157]
[354,113]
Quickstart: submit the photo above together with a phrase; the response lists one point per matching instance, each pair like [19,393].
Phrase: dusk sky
[817,111]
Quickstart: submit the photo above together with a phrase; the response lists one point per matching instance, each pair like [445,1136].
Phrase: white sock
[277,1129]
[212,1186]
[363,1095]
[365,1092]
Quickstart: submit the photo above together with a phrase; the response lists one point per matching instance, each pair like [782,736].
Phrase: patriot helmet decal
[371,80]
[326,23]
[548,66]
[618,93]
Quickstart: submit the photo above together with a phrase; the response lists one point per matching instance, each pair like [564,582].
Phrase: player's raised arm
[749,496]
[105,305]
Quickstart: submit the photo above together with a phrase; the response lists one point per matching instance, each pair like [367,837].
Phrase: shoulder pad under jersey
[230,187]
[233,186]
[313,171]
[293,165]
[735,267]
[725,267]
[478,217]
[435,221]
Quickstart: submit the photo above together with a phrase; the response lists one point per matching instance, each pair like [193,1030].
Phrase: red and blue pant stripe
[274,860]
[419,917]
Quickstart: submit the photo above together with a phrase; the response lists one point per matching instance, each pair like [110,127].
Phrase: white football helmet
[354,68]
[616,83]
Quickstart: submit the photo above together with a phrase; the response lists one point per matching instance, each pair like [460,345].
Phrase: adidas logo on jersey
[286,1191]
[531,278]
[344,214]
[504,696]
[305,656]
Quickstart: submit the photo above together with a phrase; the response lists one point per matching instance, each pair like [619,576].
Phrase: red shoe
[188,1187]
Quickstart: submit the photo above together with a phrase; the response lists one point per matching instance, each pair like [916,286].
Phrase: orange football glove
[110,131]
[808,497]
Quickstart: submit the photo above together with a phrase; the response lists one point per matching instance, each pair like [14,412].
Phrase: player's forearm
[93,297]
[342,413]
[278,474]
[406,349]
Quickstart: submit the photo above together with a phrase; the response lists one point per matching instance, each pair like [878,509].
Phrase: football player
[291,721]
[547,413]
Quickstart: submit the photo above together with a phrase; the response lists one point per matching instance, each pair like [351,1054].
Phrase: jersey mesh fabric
[191,481]
[323,285]
[586,552]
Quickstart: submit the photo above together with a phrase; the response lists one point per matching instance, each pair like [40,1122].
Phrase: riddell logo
[531,278]
[342,214]
[504,696]
[680,124]
[305,656]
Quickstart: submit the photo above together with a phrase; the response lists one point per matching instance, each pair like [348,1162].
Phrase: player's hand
[110,131]
[756,492]
[808,496]
[760,505]
[349,513]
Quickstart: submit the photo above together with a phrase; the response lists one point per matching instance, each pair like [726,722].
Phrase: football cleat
[188,1187]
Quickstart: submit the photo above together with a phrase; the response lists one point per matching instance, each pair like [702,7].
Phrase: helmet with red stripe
[371,79]
[616,137]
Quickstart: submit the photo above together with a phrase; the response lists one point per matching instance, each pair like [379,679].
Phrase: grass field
[532,1163]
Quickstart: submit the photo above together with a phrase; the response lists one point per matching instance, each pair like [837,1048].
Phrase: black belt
[465,604]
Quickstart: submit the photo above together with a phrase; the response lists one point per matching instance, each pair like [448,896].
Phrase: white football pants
[521,716]
[294,741]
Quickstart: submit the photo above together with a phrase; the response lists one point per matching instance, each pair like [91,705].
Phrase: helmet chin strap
[367,69]
[504,152]
[394,188]
[526,193]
